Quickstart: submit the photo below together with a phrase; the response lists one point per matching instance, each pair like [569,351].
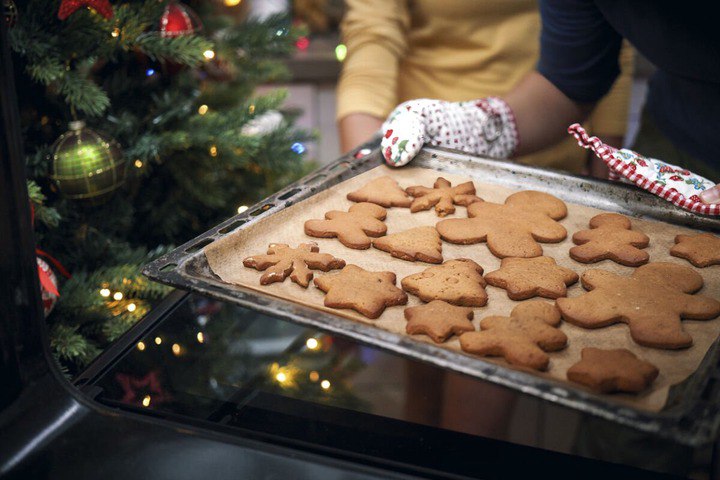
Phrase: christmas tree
[141,130]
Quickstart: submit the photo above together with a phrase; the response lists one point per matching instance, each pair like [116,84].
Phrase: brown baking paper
[225,257]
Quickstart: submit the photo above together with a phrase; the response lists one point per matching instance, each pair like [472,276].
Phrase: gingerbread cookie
[420,243]
[282,260]
[438,320]
[459,282]
[652,301]
[442,196]
[522,339]
[383,191]
[353,228]
[368,293]
[608,371]
[701,250]
[532,277]
[610,237]
[512,229]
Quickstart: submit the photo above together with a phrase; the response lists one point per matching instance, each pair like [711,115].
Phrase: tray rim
[695,424]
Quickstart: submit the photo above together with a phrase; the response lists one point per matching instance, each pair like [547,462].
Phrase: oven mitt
[675,184]
[484,127]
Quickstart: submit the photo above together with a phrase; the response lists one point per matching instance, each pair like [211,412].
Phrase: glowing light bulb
[131,307]
[209,54]
[302,43]
[150,72]
[242,208]
[312,343]
[200,337]
[105,292]
[281,377]
[146,401]
[325,384]
[138,163]
[176,349]
[115,33]
[340,52]
[298,148]
[203,109]
[232,3]
[314,376]
[118,296]
[251,109]
[213,151]
[141,346]
[158,340]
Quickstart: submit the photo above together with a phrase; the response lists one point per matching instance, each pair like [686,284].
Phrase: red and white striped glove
[484,127]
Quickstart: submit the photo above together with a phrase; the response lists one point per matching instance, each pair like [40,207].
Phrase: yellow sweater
[457,50]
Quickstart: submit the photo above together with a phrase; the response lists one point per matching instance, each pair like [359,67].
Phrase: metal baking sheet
[692,412]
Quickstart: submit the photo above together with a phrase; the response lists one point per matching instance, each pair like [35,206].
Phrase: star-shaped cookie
[438,320]
[608,371]
[522,339]
[701,250]
[532,277]
[458,281]
[610,237]
[282,260]
[420,243]
[368,293]
[443,196]
[383,191]
[652,301]
[512,229]
[353,228]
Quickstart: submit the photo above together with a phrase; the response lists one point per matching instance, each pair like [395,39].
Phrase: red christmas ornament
[136,389]
[178,20]
[48,286]
[68,7]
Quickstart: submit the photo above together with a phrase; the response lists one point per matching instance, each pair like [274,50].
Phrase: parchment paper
[225,258]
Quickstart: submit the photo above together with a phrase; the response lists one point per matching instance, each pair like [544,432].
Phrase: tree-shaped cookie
[610,237]
[512,229]
[383,191]
[652,301]
[522,339]
[438,320]
[608,371]
[443,196]
[532,277]
[701,250]
[459,282]
[353,228]
[282,260]
[368,293]
[420,243]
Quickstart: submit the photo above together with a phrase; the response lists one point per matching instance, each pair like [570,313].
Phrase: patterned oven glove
[484,127]
[675,184]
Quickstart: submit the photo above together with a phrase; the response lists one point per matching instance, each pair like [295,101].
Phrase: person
[454,50]
[579,46]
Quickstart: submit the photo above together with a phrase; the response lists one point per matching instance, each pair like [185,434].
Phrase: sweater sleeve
[374,33]
[610,116]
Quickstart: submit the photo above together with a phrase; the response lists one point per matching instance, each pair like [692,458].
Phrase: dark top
[580,42]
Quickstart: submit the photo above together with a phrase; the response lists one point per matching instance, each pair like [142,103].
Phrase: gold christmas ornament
[86,164]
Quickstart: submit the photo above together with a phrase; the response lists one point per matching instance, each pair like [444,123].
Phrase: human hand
[711,195]
[482,127]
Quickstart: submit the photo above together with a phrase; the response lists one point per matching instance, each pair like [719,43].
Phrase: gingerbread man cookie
[353,228]
[652,301]
[458,281]
[442,196]
[608,371]
[610,237]
[368,293]
[522,339]
[282,260]
[701,250]
[530,277]
[438,320]
[420,243]
[383,191]
[512,229]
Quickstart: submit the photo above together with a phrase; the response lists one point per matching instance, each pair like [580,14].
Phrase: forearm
[542,113]
[357,128]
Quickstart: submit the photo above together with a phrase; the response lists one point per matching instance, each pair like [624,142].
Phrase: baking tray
[692,412]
